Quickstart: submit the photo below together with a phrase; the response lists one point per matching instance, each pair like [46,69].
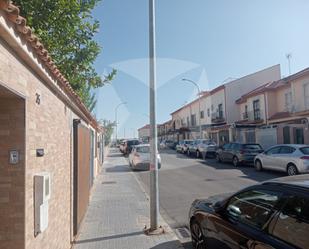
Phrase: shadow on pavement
[248,170]
[117,236]
[115,155]
[168,245]
[118,169]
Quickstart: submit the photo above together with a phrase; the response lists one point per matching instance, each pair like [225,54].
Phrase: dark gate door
[81,173]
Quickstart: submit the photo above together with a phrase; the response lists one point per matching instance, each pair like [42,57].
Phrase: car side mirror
[219,206]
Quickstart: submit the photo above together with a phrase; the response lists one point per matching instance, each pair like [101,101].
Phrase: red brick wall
[12,177]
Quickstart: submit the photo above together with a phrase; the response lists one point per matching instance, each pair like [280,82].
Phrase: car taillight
[305,157]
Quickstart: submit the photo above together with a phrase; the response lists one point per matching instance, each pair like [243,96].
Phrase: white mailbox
[41,198]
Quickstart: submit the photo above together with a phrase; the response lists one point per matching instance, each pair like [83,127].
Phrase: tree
[67,29]
[108,129]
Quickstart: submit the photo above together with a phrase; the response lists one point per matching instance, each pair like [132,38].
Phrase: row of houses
[258,108]
[51,147]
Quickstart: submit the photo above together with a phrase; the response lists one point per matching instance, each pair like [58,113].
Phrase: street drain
[183,233]
[109,182]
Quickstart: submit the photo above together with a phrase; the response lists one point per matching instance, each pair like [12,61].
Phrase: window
[208,112]
[256,109]
[286,135]
[220,111]
[188,121]
[253,207]
[202,114]
[212,107]
[292,225]
[227,146]
[287,150]
[252,147]
[306,95]
[236,146]
[144,149]
[299,136]
[246,112]
[193,120]
[274,150]
[305,150]
[288,100]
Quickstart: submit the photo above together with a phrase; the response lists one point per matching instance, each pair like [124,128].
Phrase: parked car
[184,146]
[202,147]
[179,146]
[290,158]
[273,214]
[122,146]
[170,144]
[139,158]
[238,153]
[208,148]
[129,144]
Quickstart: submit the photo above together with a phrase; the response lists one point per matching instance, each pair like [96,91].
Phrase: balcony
[253,115]
[217,117]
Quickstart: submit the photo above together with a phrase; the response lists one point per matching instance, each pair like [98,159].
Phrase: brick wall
[12,177]
[48,127]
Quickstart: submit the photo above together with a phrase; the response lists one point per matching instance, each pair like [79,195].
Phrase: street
[183,179]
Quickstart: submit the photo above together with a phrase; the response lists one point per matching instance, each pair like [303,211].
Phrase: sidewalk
[118,212]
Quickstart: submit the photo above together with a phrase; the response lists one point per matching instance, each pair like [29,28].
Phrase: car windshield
[188,142]
[143,149]
[305,150]
[208,142]
[133,142]
[252,147]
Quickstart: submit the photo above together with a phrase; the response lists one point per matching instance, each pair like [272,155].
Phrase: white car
[290,158]
[139,158]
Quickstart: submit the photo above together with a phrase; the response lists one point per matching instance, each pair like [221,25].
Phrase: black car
[129,145]
[238,153]
[273,214]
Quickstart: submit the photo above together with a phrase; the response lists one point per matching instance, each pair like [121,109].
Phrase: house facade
[282,109]
[51,147]
[144,133]
[219,112]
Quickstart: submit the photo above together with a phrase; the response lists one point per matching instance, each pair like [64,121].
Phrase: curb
[162,222]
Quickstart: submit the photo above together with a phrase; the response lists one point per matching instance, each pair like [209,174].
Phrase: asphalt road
[183,179]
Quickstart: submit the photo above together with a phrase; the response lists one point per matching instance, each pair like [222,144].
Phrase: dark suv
[129,145]
[238,153]
[274,214]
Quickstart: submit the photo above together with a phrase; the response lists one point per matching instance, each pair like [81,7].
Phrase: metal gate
[266,137]
[81,173]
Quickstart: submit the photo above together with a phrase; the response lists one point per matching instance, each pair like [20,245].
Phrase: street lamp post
[199,103]
[116,121]
[154,189]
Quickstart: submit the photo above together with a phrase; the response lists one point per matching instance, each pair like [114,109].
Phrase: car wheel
[198,155]
[258,165]
[198,239]
[218,158]
[292,170]
[235,161]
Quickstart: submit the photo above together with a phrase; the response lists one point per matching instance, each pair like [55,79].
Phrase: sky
[202,40]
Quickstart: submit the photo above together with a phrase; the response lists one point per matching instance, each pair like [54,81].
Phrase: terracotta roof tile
[12,14]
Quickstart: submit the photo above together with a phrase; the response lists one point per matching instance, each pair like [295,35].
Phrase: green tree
[108,129]
[67,29]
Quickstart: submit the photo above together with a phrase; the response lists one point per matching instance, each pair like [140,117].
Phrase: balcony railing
[255,115]
[217,117]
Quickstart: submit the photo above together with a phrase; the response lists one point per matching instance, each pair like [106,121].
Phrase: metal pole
[154,190]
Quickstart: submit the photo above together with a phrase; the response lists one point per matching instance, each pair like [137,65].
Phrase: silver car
[290,158]
[139,158]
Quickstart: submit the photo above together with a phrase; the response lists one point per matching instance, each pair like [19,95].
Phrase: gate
[266,137]
[81,186]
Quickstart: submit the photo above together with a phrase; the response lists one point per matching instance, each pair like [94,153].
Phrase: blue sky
[203,40]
